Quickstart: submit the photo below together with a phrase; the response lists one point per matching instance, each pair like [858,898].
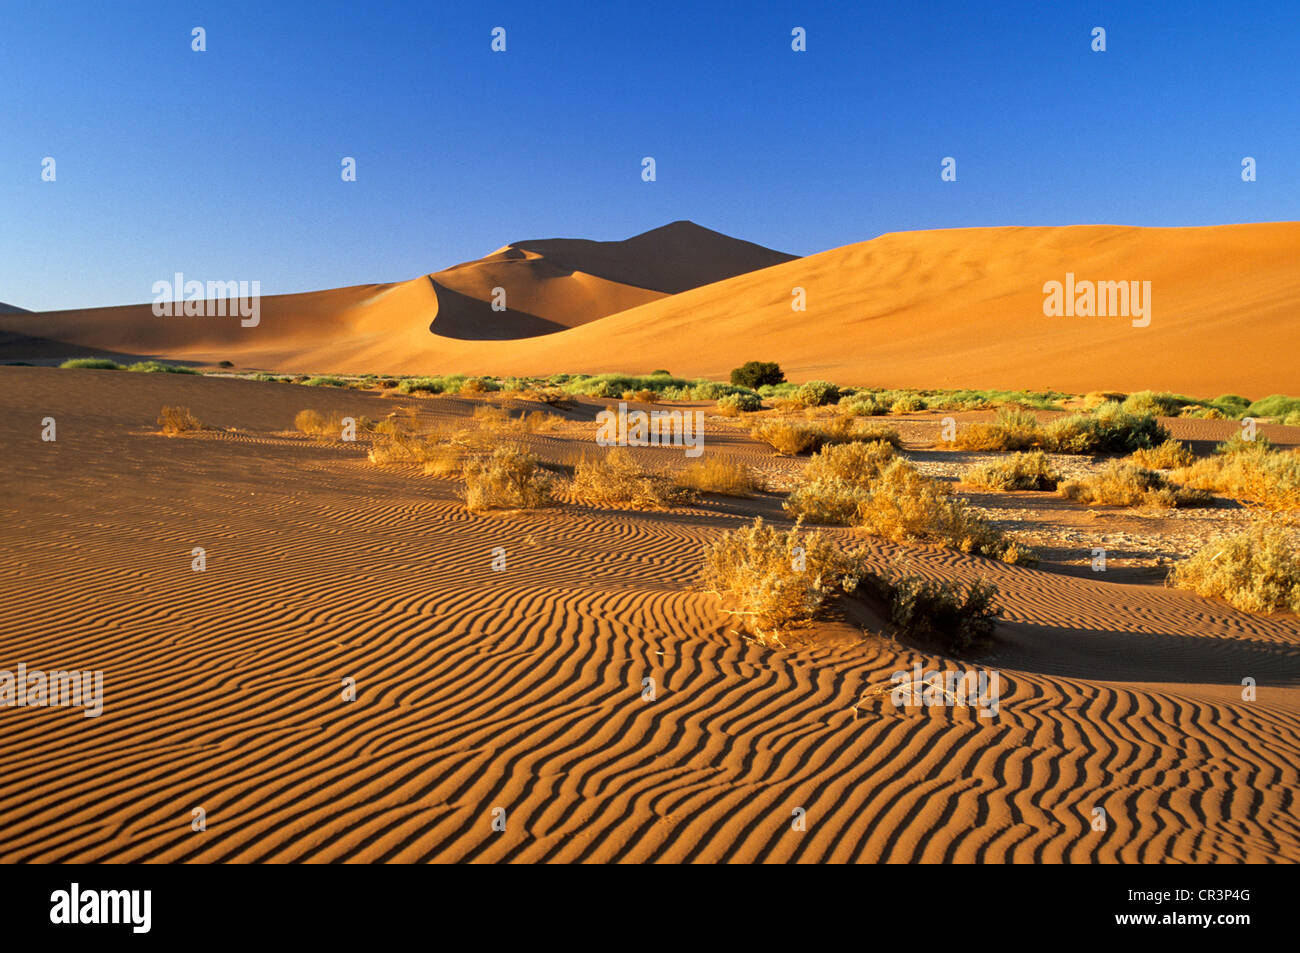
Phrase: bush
[905,505]
[1109,429]
[1256,570]
[790,438]
[92,364]
[1167,456]
[508,478]
[756,374]
[177,420]
[733,405]
[612,478]
[1012,429]
[402,447]
[836,484]
[860,405]
[953,616]
[325,382]
[1020,471]
[718,475]
[318,425]
[1156,404]
[1122,483]
[817,393]
[777,581]
[1250,471]
[158,367]
[908,404]
[1275,406]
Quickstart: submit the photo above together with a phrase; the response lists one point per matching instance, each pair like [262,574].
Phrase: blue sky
[225,164]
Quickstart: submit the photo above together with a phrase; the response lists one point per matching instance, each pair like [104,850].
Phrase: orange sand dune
[950,308]
[522,690]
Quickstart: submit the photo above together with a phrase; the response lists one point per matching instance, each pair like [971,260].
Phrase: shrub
[1256,570]
[1121,483]
[1252,472]
[646,396]
[177,420]
[908,404]
[325,382]
[953,616]
[718,475]
[905,505]
[777,581]
[613,478]
[92,364]
[756,374]
[861,405]
[789,437]
[508,478]
[1011,429]
[733,405]
[1167,456]
[817,393]
[492,419]
[836,484]
[1292,419]
[1020,471]
[1110,429]
[403,447]
[1274,406]
[226,364]
[1156,404]
[476,385]
[318,425]
[1094,399]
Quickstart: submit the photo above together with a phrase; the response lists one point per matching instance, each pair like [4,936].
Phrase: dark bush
[755,374]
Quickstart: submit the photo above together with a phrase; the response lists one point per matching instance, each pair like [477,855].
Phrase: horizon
[225,163]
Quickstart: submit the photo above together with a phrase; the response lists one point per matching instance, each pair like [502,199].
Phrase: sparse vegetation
[316,424]
[1248,470]
[790,437]
[775,580]
[837,482]
[1020,471]
[954,616]
[1122,483]
[908,404]
[178,420]
[92,364]
[158,367]
[508,478]
[1257,570]
[816,394]
[733,405]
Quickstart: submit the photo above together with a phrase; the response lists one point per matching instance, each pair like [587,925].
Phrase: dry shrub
[733,405]
[790,437]
[492,419]
[1167,456]
[955,616]
[1121,483]
[508,478]
[837,481]
[905,505]
[178,420]
[1094,399]
[1256,570]
[774,580]
[316,424]
[403,447]
[1257,474]
[1011,430]
[646,396]
[1020,471]
[613,478]
[718,475]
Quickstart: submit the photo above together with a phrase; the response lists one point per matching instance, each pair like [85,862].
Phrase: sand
[522,689]
[949,308]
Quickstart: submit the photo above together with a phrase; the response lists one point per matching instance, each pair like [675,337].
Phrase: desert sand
[522,689]
[947,308]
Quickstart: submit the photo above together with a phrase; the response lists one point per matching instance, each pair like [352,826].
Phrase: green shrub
[158,367]
[1275,405]
[817,393]
[733,405]
[1121,483]
[1256,570]
[92,364]
[908,404]
[756,374]
[1021,471]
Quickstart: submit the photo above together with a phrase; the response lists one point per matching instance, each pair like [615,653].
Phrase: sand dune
[11,309]
[951,308]
[522,689]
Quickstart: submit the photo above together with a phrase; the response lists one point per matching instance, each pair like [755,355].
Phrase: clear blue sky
[225,164]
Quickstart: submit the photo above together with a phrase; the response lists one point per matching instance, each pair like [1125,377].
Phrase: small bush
[1274,406]
[863,405]
[508,478]
[158,367]
[1020,471]
[837,482]
[756,374]
[319,425]
[908,404]
[733,405]
[1257,570]
[92,364]
[817,394]
[777,581]
[718,475]
[1011,429]
[789,437]
[1156,404]
[325,382]
[953,616]
[614,479]
[1121,483]
[1250,471]
[178,420]
[1167,456]
[403,447]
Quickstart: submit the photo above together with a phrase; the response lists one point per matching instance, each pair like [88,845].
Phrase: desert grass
[1012,429]
[178,420]
[1122,483]
[1109,428]
[1256,570]
[1020,471]
[837,482]
[498,419]
[775,581]
[316,424]
[792,437]
[1169,455]
[718,475]
[403,447]
[92,364]
[509,478]
[612,478]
